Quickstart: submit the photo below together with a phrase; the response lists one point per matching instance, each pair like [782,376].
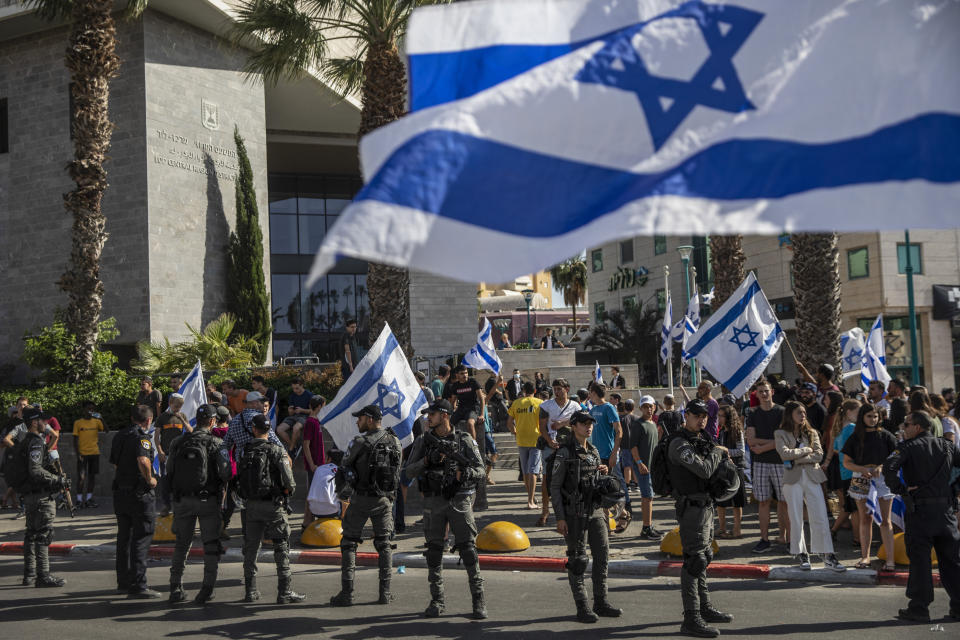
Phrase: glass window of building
[4,130]
[896,337]
[599,312]
[858,263]
[629,303]
[916,258]
[700,258]
[596,258]
[659,245]
[661,300]
[626,251]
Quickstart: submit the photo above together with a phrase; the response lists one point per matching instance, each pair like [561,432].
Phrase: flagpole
[666,288]
[695,365]
[911,312]
[790,346]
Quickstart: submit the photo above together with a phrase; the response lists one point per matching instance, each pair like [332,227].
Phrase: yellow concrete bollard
[502,536]
[671,544]
[900,552]
[163,529]
[323,532]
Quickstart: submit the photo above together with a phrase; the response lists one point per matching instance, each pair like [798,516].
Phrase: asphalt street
[522,605]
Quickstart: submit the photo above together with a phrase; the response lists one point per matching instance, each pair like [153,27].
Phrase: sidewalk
[93,532]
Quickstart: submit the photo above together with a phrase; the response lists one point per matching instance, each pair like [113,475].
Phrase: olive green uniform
[369,501]
[572,495]
[39,508]
[268,517]
[448,501]
[202,505]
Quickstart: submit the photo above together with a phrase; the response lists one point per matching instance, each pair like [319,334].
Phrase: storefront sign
[946,301]
[624,278]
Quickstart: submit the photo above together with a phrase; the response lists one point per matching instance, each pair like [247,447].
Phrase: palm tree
[816,294]
[92,60]
[295,39]
[570,277]
[215,347]
[727,259]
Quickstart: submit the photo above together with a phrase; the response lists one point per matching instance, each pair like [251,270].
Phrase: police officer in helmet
[692,460]
[372,471]
[581,518]
[197,472]
[31,457]
[449,468]
[930,517]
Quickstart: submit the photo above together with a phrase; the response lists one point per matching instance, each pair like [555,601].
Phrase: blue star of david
[854,358]
[618,64]
[744,331]
[382,391]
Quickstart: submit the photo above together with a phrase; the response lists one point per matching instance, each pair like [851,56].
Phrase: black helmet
[610,490]
[725,481]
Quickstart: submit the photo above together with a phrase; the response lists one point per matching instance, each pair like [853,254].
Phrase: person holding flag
[483,355]
[874,366]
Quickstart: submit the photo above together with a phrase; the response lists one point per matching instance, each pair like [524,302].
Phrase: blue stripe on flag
[755,360]
[724,323]
[405,427]
[368,381]
[449,173]
[490,360]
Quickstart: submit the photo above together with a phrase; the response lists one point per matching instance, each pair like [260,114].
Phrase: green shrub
[325,382]
[51,351]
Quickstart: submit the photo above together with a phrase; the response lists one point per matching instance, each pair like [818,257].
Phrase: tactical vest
[684,481]
[378,465]
[438,478]
[580,476]
[29,486]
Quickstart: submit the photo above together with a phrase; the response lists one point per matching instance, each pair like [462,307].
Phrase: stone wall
[443,315]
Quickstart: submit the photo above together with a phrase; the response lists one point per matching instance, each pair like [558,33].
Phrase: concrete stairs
[507,450]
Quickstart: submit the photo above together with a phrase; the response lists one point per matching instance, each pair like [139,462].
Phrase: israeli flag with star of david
[538,127]
[666,330]
[383,378]
[737,342]
[851,351]
[483,355]
[874,365]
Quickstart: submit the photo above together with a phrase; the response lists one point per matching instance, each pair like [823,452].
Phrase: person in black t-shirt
[807,394]
[767,475]
[669,419]
[864,453]
[349,348]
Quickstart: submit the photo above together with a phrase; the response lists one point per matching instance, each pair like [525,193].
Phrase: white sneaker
[831,562]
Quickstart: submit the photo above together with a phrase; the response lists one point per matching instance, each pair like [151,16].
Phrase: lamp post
[528,298]
[685,252]
[911,312]
[669,363]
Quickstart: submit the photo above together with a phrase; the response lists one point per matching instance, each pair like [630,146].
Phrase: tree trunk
[574,307]
[384,100]
[727,259]
[92,61]
[816,282]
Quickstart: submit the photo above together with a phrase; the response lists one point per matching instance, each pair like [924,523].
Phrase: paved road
[522,605]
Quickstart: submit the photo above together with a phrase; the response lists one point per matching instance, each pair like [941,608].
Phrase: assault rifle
[65,491]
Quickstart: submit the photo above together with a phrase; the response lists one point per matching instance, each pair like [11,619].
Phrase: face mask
[516,376]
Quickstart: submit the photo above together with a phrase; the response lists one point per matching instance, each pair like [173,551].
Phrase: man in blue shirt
[606,437]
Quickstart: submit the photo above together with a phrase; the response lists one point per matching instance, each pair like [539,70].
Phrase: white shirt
[323,497]
[557,413]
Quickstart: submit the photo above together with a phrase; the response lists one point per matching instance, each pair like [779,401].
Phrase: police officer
[197,472]
[576,504]
[372,472]
[132,456]
[930,518]
[39,507]
[449,469]
[692,460]
[265,480]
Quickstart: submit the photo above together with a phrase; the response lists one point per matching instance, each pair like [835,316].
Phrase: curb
[635,568]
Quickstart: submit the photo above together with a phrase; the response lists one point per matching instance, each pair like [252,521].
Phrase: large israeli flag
[851,351]
[666,328]
[874,366]
[539,127]
[736,343]
[194,393]
[484,355]
[383,378]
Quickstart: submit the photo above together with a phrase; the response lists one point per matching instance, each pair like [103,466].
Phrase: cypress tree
[246,286]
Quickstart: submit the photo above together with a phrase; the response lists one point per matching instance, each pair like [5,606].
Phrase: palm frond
[345,75]
[50,9]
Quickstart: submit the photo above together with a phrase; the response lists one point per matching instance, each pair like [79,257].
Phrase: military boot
[250,593]
[435,608]
[177,594]
[385,596]
[694,625]
[345,597]
[286,595]
[709,614]
[605,609]
[29,564]
[205,595]
[48,580]
[584,614]
[479,606]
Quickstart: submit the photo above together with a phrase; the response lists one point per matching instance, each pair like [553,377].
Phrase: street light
[528,298]
[685,252]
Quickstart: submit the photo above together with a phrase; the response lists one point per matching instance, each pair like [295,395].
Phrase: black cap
[696,407]
[260,422]
[205,412]
[371,410]
[581,417]
[34,412]
[223,411]
[439,405]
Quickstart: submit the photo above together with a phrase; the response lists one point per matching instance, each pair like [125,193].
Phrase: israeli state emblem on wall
[209,114]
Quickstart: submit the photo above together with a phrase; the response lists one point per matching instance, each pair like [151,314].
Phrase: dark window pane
[316,310]
[626,251]
[336,205]
[659,245]
[916,258]
[363,306]
[312,231]
[285,348]
[596,258]
[283,234]
[343,304]
[342,187]
[858,263]
[282,194]
[310,194]
[285,296]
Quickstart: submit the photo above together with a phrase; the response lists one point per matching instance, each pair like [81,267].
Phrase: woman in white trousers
[799,448]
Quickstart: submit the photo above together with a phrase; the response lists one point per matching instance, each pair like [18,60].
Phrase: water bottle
[788,464]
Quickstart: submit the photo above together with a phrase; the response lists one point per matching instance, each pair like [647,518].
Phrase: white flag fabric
[597,374]
[382,378]
[874,365]
[666,328]
[851,350]
[194,393]
[612,119]
[897,508]
[689,324]
[484,355]
[736,343]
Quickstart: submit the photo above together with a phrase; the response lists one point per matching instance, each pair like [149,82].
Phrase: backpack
[254,480]
[191,470]
[660,467]
[15,465]
[548,470]
[384,465]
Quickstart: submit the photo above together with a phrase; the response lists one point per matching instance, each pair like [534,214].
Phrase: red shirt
[55,424]
[313,432]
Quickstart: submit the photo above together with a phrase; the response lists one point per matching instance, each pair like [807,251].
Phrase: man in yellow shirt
[85,431]
[524,424]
